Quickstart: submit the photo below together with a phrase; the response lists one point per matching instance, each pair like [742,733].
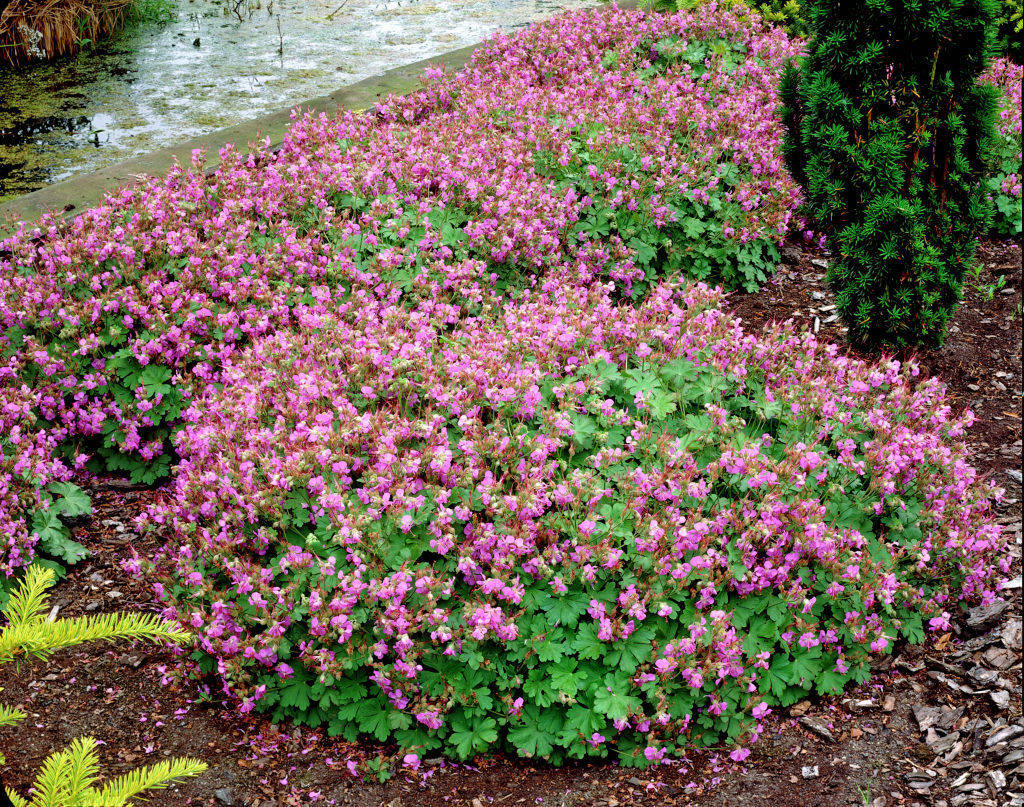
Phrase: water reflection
[217,63]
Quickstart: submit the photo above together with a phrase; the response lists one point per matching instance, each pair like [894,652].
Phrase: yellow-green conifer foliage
[70,778]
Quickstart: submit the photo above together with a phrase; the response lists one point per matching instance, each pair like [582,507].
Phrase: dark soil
[865,747]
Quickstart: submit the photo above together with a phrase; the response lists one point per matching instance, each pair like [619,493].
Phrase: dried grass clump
[46,29]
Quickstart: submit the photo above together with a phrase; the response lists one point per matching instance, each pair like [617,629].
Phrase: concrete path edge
[73,196]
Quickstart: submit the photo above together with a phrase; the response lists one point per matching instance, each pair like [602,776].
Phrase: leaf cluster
[698,240]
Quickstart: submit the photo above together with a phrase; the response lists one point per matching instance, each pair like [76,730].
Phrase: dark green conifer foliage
[889,134]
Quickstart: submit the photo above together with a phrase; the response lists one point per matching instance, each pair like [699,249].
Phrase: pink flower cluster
[1008,77]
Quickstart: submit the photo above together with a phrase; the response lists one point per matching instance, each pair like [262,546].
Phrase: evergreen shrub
[890,134]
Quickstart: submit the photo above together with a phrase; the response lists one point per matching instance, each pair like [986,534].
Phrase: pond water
[217,63]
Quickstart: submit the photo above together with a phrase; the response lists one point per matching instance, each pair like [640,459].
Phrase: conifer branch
[69,778]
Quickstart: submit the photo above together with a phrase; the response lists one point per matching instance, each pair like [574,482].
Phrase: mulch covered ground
[938,725]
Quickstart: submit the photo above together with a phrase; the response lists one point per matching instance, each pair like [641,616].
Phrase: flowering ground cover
[567,525]
[648,148]
[872,750]
[613,158]
[448,434]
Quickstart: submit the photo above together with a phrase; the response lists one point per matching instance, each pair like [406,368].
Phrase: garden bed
[873,750]
[463,460]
